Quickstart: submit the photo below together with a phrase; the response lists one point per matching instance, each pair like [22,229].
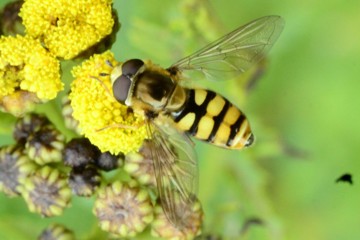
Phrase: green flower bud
[123,209]
[140,165]
[14,167]
[19,102]
[191,227]
[57,232]
[46,192]
[67,110]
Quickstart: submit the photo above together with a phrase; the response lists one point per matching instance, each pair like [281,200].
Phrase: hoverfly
[174,112]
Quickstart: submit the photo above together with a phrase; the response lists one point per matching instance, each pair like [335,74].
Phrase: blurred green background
[303,111]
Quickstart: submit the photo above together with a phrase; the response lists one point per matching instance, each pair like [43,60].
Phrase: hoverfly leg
[103,85]
[123,126]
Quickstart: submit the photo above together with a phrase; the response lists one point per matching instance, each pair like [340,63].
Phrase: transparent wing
[176,171]
[235,52]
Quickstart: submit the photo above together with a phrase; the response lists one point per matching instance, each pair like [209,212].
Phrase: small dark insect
[346,177]
[251,222]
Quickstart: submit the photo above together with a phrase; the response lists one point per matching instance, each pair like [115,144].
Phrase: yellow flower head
[97,111]
[26,65]
[67,27]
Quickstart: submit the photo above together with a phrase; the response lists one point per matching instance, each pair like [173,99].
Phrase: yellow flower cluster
[26,65]
[97,111]
[67,27]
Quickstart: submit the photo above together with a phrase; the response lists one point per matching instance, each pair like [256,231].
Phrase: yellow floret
[97,111]
[26,65]
[67,27]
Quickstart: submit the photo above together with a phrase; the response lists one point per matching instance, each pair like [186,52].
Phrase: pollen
[104,121]
[67,27]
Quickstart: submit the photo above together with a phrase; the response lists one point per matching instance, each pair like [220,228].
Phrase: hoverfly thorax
[154,89]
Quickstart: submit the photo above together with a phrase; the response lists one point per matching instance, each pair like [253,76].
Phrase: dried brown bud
[84,180]
[28,125]
[80,152]
[45,145]
[107,161]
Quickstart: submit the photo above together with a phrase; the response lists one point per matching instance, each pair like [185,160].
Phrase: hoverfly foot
[123,126]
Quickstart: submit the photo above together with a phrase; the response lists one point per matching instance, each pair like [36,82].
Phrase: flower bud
[140,165]
[46,192]
[107,161]
[122,209]
[79,152]
[67,111]
[28,125]
[45,145]
[84,180]
[14,167]
[190,223]
[57,232]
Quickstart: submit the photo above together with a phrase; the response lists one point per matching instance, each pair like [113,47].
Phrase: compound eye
[131,67]
[121,88]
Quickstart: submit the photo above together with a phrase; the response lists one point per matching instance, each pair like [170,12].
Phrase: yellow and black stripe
[210,117]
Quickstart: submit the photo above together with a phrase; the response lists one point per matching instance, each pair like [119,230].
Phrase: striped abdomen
[212,118]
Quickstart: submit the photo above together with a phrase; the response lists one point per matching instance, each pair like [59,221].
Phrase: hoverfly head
[123,77]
